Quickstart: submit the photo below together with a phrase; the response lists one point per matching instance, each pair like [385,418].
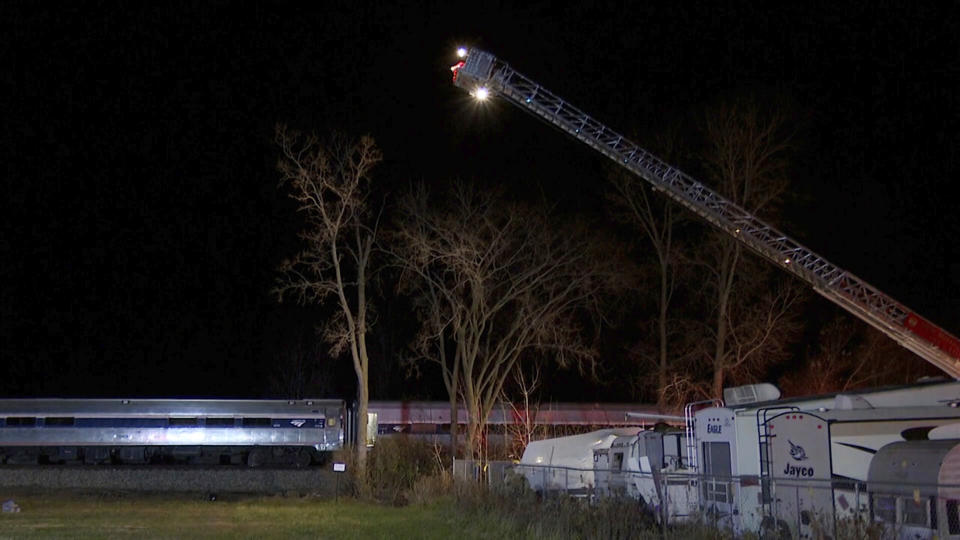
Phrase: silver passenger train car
[214,431]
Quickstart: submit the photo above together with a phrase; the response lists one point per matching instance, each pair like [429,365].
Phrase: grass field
[75,515]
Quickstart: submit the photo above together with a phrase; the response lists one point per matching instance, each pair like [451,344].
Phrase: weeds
[396,465]
[405,471]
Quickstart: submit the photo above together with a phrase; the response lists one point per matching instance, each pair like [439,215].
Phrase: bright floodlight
[481,93]
[462,52]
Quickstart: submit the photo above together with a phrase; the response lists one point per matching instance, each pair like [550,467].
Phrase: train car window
[423,428]
[220,422]
[257,422]
[58,421]
[184,422]
[21,421]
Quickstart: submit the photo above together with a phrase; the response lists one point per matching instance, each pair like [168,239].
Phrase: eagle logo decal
[797,452]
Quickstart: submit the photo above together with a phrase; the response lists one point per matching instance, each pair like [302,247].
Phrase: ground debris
[10,506]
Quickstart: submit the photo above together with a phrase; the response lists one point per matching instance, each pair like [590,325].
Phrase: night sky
[142,223]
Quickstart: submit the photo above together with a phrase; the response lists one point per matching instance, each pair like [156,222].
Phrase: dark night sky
[141,223]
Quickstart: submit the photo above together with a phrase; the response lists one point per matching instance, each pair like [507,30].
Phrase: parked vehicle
[255,432]
[567,463]
[795,466]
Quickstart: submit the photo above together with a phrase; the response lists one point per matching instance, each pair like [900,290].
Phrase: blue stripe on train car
[299,423]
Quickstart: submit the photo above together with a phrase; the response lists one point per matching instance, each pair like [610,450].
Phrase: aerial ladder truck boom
[485,76]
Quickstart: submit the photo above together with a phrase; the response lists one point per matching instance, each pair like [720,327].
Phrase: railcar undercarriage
[252,456]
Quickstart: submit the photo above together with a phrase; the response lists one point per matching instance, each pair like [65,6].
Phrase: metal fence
[492,473]
[769,507]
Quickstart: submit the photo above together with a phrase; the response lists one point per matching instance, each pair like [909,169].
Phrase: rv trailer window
[953,517]
[716,463]
[885,508]
[915,513]
[21,421]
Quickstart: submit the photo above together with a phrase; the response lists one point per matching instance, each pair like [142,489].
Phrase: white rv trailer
[619,467]
[716,467]
[819,461]
[651,467]
[729,442]
[914,489]
[566,463]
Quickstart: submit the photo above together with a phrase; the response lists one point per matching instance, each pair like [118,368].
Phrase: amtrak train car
[432,418]
[255,432]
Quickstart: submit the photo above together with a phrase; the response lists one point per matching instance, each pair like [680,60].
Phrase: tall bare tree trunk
[474,425]
[657,220]
[726,274]
[454,425]
[361,357]
[747,158]
[662,327]
[363,401]
[330,182]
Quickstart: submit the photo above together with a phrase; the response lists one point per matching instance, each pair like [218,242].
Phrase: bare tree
[330,182]
[500,282]
[684,372]
[432,342]
[761,327]
[747,159]
[657,218]
[297,372]
[850,355]
[525,427]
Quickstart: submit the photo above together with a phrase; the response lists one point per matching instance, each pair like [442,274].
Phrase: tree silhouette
[330,182]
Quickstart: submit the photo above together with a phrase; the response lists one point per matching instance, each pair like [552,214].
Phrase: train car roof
[163,407]
[585,414]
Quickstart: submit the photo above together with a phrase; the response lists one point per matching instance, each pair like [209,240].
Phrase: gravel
[312,481]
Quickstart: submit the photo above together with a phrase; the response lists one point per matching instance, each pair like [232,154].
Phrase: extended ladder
[483,74]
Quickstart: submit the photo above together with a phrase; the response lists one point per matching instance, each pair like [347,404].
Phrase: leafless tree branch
[330,182]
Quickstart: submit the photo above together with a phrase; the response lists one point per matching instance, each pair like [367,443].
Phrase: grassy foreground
[158,516]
